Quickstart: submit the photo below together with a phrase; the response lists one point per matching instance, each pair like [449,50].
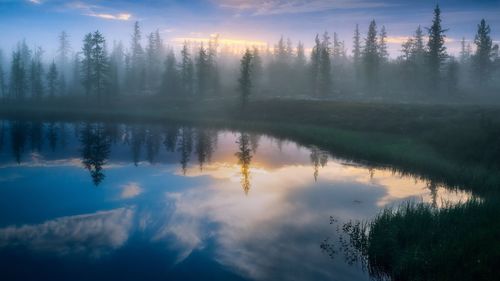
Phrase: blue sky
[40,21]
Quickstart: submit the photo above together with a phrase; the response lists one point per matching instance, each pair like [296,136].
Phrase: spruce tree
[213,79]
[418,52]
[87,64]
[17,76]
[325,68]
[63,56]
[187,71]
[36,74]
[483,58]
[171,75]
[300,60]
[464,51]
[100,66]
[436,50]
[3,83]
[371,56]
[245,80]
[382,46]
[52,77]
[137,65]
[116,67]
[315,66]
[203,69]
[154,55]
[356,47]
[257,68]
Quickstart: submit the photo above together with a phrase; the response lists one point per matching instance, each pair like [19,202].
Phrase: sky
[265,21]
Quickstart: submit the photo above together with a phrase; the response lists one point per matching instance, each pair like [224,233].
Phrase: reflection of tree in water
[433,188]
[36,135]
[113,131]
[244,159]
[19,131]
[63,135]
[153,142]
[171,135]
[205,145]
[52,129]
[319,158]
[137,138]
[185,147]
[254,142]
[95,149]
[2,134]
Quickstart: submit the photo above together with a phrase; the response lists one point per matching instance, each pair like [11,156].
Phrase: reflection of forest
[95,149]
[96,139]
[319,158]
[244,156]
[144,142]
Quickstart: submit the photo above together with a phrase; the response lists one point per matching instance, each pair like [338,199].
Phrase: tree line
[424,68]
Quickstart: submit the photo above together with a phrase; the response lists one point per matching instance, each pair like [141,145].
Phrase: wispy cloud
[402,39]
[93,234]
[123,16]
[97,11]
[37,2]
[275,7]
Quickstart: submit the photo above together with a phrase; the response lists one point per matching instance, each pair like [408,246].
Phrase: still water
[100,201]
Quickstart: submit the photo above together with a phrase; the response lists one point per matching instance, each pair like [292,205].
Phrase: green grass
[419,242]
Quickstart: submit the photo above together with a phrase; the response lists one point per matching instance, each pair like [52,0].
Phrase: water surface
[101,201]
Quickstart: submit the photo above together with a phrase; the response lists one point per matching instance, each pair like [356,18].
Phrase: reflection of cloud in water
[130,190]
[400,187]
[90,234]
[275,232]
[184,229]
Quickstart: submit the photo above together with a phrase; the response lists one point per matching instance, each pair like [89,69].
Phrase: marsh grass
[419,242]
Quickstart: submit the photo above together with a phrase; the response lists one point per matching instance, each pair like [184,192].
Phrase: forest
[104,70]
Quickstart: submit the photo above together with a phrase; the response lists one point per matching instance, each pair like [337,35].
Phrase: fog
[423,71]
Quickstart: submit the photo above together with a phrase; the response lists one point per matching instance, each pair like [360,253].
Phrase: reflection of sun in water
[276,163]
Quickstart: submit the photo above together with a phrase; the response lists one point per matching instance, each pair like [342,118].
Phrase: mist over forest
[103,68]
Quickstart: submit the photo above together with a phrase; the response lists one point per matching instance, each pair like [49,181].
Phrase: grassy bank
[418,242]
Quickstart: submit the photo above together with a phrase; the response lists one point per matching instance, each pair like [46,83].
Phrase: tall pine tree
[52,77]
[245,79]
[436,50]
[371,57]
[483,58]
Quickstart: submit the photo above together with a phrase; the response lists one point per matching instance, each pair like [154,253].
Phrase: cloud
[92,234]
[130,190]
[123,16]
[402,39]
[36,2]
[275,7]
[97,11]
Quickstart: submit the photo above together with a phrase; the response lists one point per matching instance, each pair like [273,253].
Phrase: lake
[101,201]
